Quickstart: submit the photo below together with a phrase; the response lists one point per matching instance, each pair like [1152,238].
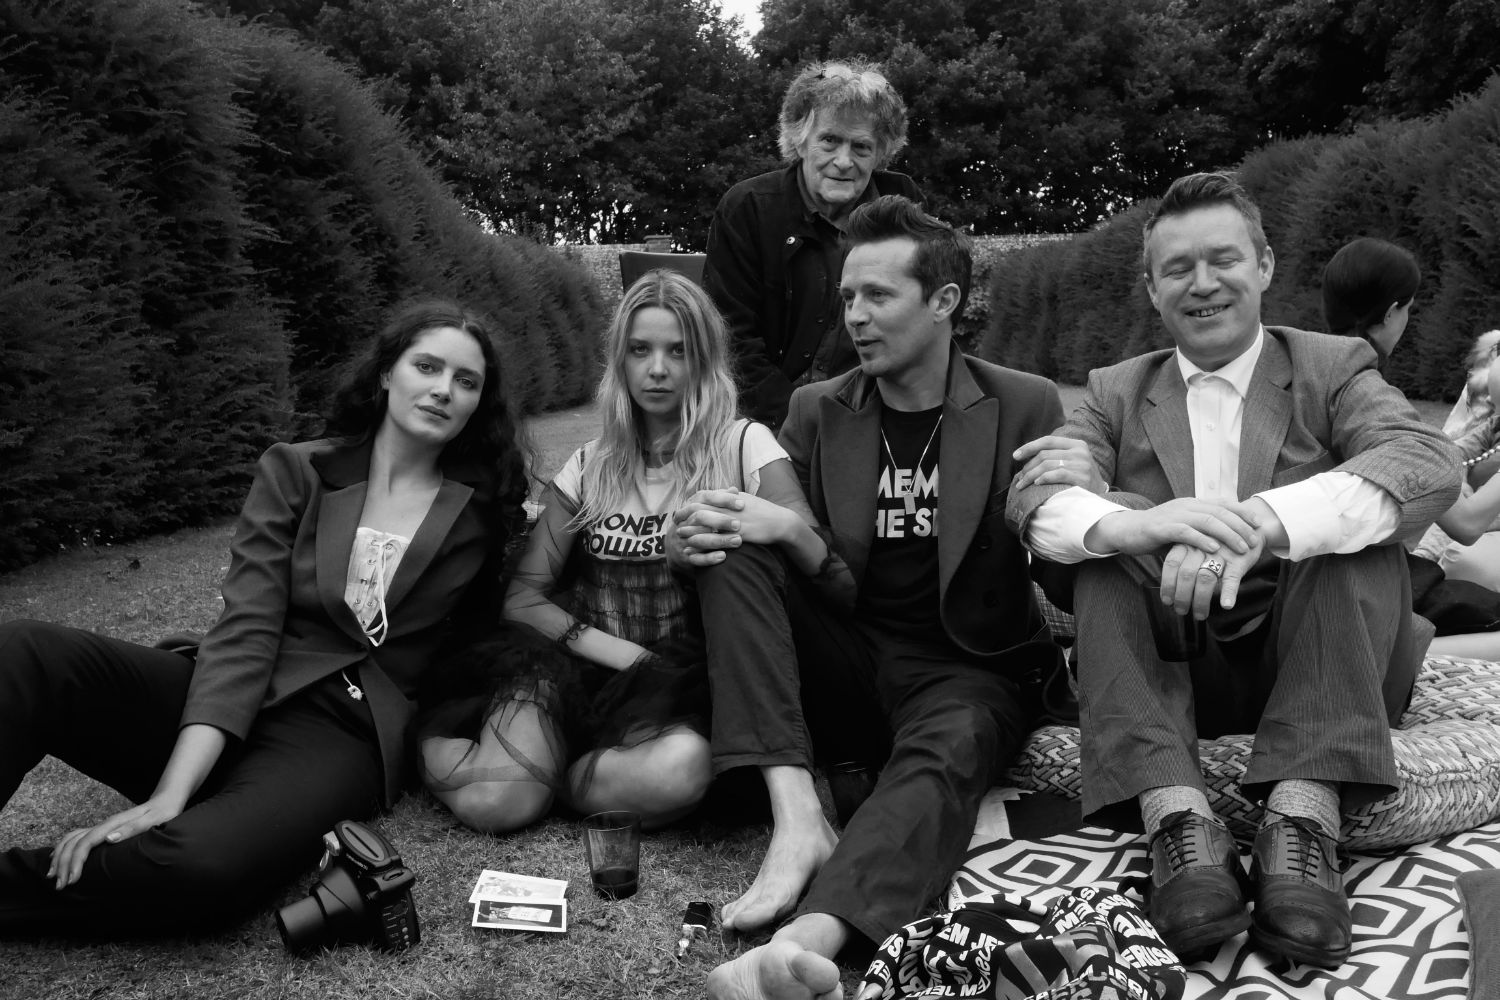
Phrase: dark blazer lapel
[450,501]
[338,519]
[1166,422]
[849,463]
[1266,418]
[966,463]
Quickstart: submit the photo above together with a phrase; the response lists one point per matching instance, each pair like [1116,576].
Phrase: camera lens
[301,924]
[332,913]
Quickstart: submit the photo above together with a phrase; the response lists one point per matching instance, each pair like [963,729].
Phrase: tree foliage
[199,221]
[1317,66]
[563,119]
[608,119]
[1035,115]
[1431,185]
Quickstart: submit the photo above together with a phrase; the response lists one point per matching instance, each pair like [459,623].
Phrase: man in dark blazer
[923,673]
[774,258]
[1276,471]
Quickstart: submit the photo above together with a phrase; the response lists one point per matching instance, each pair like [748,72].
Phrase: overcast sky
[748,11]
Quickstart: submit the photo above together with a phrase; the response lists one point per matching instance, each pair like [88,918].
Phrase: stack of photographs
[503,901]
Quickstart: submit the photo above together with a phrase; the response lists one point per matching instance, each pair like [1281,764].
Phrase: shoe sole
[1296,951]
[1208,937]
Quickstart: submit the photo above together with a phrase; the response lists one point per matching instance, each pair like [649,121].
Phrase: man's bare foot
[794,857]
[779,970]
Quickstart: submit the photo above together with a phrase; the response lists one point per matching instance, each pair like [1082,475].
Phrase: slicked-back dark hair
[1201,191]
[942,256]
[1363,280]
[490,438]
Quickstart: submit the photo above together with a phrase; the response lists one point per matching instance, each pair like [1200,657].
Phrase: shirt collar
[1237,372]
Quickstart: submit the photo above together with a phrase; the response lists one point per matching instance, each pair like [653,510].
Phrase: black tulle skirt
[584,709]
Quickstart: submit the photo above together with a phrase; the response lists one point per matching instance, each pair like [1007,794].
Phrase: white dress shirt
[1332,512]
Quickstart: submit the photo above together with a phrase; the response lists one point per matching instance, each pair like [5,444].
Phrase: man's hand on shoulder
[1057,460]
[703,528]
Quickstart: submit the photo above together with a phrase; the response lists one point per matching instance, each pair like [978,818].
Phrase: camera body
[363,894]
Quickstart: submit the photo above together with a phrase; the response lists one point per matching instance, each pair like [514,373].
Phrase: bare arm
[1473,515]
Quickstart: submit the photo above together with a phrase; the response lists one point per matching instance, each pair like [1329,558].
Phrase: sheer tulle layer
[567,709]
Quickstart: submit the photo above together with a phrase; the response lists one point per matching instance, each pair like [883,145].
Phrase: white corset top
[372,567]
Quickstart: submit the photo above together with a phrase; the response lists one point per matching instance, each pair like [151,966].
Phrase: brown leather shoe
[1196,897]
[1301,912]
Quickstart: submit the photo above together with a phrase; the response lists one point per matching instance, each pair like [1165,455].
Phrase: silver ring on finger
[1213,565]
[1060,463]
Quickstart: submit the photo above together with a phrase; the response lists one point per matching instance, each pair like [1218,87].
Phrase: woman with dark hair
[1367,291]
[350,558]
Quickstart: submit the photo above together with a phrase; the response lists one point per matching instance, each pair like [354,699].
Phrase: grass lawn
[611,950]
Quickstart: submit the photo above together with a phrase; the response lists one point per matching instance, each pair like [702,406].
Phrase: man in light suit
[924,675]
[1276,471]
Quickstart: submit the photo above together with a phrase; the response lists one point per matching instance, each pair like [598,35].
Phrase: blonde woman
[601,698]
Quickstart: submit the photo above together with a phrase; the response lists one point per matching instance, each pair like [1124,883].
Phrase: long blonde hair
[705,452]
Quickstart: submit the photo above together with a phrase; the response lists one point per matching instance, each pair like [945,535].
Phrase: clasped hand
[713,521]
[1193,531]
[74,847]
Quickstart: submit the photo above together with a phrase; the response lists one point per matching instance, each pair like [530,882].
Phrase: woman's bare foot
[778,970]
[801,842]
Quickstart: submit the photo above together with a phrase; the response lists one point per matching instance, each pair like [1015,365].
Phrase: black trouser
[111,709]
[945,725]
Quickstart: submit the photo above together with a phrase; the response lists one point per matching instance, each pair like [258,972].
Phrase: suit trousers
[110,709]
[1319,682]
[943,725]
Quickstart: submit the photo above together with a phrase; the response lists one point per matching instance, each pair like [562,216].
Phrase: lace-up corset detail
[372,567]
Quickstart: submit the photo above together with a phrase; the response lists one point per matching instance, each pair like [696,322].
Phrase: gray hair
[848,87]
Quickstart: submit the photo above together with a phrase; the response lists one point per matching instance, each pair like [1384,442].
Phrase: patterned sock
[1307,799]
[1162,801]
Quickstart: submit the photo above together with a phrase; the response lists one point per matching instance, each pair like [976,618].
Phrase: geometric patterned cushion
[1447,752]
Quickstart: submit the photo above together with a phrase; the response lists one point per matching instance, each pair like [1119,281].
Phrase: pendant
[910,500]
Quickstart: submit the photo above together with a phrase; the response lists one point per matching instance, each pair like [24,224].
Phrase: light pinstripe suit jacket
[1315,404]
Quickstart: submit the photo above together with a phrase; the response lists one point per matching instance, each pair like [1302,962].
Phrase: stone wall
[602,262]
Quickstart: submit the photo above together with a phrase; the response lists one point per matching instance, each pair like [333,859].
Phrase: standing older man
[773,248]
[1275,470]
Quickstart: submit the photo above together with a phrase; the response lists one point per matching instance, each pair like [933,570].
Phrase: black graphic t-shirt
[900,588]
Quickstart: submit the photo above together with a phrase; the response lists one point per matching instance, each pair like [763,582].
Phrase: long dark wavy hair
[491,438]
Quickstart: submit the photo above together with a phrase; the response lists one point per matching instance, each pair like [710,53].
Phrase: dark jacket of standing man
[773,247]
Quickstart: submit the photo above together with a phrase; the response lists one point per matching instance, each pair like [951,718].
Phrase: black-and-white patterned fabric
[1410,942]
[1088,944]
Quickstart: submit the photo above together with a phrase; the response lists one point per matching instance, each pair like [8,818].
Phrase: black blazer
[832,433]
[765,270]
[285,624]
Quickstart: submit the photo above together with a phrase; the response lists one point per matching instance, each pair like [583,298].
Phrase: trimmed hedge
[199,222]
[1431,185]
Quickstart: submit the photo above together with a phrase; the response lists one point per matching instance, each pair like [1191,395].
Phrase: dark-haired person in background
[773,246]
[905,462]
[1368,287]
[350,557]
[1262,477]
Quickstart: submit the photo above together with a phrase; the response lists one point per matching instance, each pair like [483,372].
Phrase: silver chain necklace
[908,497]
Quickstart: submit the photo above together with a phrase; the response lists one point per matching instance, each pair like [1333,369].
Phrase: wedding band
[1060,463]
[1214,566]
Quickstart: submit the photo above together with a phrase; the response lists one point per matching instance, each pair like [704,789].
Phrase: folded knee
[685,766]
[499,806]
